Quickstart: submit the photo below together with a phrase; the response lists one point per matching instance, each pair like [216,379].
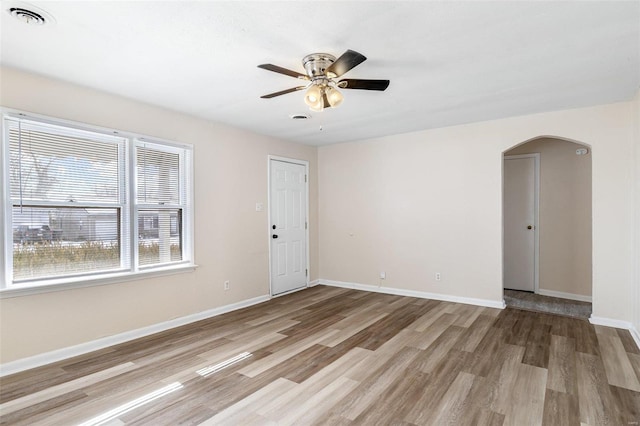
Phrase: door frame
[304,163]
[536,217]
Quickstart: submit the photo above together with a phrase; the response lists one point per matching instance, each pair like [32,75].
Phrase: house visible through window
[76,206]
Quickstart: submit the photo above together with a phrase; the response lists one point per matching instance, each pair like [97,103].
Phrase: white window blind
[161,201]
[53,164]
[158,176]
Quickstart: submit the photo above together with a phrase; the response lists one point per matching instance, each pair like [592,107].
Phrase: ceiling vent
[300,116]
[30,14]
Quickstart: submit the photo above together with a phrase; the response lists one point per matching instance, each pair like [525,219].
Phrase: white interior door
[519,216]
[288,215]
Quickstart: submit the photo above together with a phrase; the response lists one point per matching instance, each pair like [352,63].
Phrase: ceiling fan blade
[354,83]
[347,61]
[280,70]
[282,92]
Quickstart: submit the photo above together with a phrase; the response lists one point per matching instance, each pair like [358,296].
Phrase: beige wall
[425,202]
[231,240]
[564,215]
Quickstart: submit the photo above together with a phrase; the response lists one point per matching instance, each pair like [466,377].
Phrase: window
[88,204]
[158,207]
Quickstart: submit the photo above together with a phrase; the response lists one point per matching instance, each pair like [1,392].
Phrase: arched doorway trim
[554,275]
[561,138]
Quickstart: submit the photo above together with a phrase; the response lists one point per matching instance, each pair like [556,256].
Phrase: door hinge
[306,272]
[305,225]
[305,178]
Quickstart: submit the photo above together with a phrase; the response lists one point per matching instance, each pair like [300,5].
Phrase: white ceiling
[449,62]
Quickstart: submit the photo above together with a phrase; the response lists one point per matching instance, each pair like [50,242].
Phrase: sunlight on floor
[125,408]
[204,372]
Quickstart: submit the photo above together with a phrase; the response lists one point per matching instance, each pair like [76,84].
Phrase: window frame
[129,268]
[136,206]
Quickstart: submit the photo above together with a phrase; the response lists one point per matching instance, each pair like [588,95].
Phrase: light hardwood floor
[344,357]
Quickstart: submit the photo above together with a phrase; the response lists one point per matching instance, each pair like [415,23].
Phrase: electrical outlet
[226,285]
[438,276]
[383,275]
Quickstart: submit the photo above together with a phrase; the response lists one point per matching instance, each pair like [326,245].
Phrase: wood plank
[537,346]
[425,391]
[454,404]
[307,411]
[242,412]
[255,332]
[61,389]
[468,315]
[616,363]
[526,399]
[629,344]
[429,335]
[425,320]
[314,384]
[585,335]
[607,331]
[627,404]
[397,399]
[231,348]
[560,409]
[491,342]
[501,380]
[384,329]
[356,323]
[518,333]
[440,349]
[595,400]
[383,354]
[372,387]
[635,363]
[40,412]
[283,355]
[475,332]
[562,365]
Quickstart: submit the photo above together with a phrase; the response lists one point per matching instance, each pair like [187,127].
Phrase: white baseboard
[570,296]
[608,322]
[314,283]
[413,293]
[83,348]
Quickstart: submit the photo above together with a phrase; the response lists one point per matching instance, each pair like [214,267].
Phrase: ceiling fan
[322,71]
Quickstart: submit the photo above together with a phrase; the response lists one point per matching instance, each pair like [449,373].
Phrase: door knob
[274,236]
[529,227]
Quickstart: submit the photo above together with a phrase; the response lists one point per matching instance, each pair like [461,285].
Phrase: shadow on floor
[554,305]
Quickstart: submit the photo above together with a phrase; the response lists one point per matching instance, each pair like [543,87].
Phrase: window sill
[70,284]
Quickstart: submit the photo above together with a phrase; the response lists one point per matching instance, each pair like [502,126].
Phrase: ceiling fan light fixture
[313,98]
[318,106]
[334,96]
[313,95]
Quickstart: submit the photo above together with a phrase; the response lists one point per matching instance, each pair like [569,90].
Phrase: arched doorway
[547,216]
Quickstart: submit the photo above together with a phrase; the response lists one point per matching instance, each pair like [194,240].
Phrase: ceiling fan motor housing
[316,64]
